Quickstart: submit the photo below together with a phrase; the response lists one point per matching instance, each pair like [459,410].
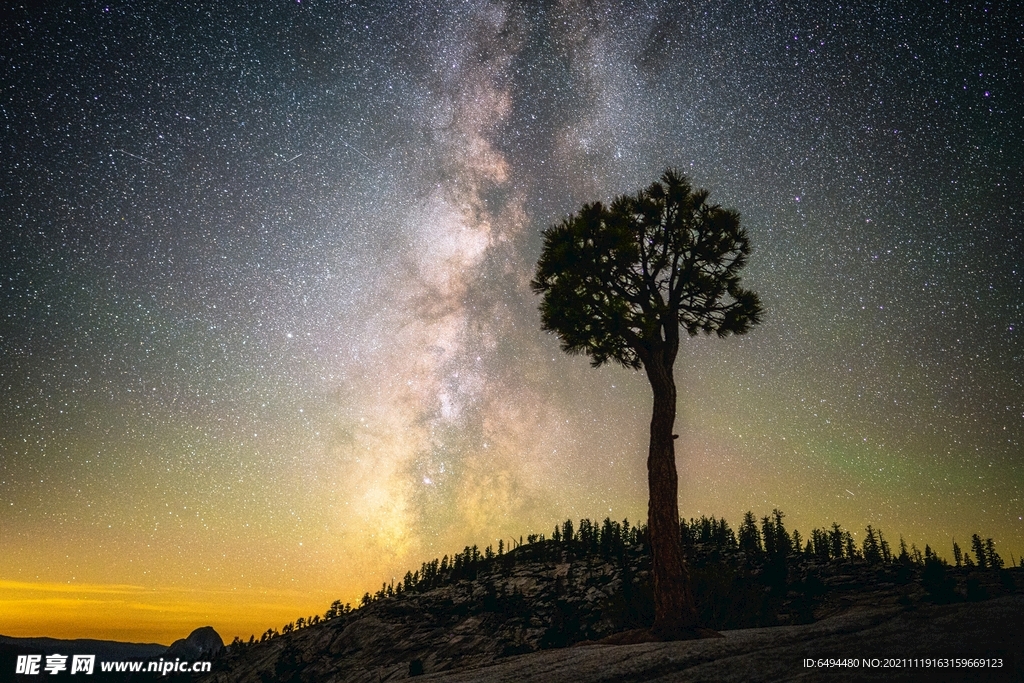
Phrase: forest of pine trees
[766,540]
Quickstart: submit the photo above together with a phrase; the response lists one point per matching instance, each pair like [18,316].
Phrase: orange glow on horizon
[138,614]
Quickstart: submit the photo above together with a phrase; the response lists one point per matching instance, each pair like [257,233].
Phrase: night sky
[267,338]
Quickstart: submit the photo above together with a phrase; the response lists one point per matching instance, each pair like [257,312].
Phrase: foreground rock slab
[990,629]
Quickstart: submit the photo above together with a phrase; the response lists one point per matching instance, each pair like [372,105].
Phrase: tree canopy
[619,281]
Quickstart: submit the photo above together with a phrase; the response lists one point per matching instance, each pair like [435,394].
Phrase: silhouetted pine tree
[750,537]
[849,546]
[768,535]
[994,561]
[783,542]
[940,587]
[979,551]
[836,539]
[904,556]
[884,546]
[335,610]
[870,548]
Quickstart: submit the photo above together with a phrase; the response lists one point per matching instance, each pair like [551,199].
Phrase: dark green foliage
[975,591]
[750,537]
[809,592]
[730,598]
[849,546]
[836,541]
[884,545]
[777,543]
[335,610]
[783,541]
[497,601]
[994,561]
[979,551]
[904,571]
[871,549]
[712,535]
[614,277]
[633,605]
[916,554]
[287,666]
[904,556]
[566,626]
[822,546]
[768,536]
[940,586]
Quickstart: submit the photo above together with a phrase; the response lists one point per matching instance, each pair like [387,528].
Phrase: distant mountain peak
[203,643]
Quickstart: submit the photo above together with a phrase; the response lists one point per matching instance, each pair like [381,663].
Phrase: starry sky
[267,338]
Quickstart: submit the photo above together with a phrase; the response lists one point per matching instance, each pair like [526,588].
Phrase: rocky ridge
[541,598]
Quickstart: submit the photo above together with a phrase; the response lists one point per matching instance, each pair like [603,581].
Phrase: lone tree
[618,283]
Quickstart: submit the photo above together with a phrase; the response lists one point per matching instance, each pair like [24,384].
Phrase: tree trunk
[675,612]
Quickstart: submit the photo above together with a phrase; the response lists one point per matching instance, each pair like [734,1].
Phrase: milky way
[267,334]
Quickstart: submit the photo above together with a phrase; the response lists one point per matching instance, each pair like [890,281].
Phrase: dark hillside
[590,582]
